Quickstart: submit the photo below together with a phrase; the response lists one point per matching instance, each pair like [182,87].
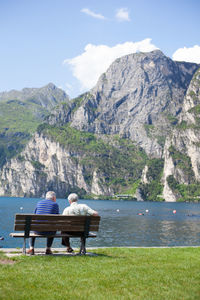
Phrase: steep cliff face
[138,97]
[64,160]
[46,165]
[182,149]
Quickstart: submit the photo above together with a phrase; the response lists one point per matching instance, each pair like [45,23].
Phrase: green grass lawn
[116,273]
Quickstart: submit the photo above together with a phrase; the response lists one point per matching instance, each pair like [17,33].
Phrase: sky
[71,43]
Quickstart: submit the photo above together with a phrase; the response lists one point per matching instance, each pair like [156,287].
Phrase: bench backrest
[33,222]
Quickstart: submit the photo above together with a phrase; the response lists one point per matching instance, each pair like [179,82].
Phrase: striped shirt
[46,206]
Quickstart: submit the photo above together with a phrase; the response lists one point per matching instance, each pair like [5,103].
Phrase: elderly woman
[76,209]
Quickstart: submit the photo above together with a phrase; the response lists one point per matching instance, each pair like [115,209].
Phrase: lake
[123,223]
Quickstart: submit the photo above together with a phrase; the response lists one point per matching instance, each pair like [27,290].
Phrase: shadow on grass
[88,254]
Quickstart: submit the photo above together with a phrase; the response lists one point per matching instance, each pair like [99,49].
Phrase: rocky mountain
[47,96]
[181,174]
[21,112]
[139,97]
[110,140]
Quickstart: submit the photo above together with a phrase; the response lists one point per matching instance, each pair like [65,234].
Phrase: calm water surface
[120,223]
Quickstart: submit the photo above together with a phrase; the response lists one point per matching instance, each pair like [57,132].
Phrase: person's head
[51,195]
[72,198]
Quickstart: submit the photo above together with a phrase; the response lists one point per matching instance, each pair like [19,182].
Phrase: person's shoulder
[86,208]
[44,200]
[66,210]
[82,204]
[85,205]
[41,201]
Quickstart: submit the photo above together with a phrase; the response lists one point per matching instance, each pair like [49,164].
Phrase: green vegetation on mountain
[20,114]
[149,129]
[18,121]
[184,192]
[152,190]
[37,165]
[183,162]
[172,119]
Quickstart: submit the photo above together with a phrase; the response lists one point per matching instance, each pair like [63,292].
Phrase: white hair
[50,195]
[73,197]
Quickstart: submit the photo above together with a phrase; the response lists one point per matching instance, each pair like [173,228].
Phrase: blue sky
[70,43]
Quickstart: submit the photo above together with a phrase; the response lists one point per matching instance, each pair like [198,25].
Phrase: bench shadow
[90,254]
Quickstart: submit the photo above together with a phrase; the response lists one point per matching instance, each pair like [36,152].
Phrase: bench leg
[82,248]
[24,246]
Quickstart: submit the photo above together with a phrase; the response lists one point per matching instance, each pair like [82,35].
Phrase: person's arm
[95,213]
[56,209]
[65,212]
[90,211]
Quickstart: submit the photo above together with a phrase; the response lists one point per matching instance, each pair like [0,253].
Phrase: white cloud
[92,14]
[188,54]
[95,60]
[122,15]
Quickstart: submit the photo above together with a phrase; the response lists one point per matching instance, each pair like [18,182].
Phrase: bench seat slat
[55,217]
[21,226]
[50,228]
[53,223]
[55,228]
[57,235]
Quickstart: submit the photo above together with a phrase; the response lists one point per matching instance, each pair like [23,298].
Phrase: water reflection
[159,227]
[179,233]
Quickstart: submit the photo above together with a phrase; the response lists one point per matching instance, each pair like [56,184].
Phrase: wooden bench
[78,226]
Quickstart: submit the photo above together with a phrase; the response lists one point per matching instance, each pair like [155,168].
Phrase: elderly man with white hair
[44,207]
[76,209]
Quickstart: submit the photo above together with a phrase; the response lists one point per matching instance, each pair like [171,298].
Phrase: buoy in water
[174,211]
[147,210]
[117,210]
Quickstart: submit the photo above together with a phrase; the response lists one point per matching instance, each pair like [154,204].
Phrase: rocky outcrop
[182,148]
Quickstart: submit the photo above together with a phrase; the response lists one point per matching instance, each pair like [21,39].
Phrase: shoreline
[93,248]
[14,252]
[58,252]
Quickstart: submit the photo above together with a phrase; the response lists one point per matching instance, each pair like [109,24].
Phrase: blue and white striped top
[46,206]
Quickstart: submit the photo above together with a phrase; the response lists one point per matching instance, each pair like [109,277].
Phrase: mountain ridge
[47,96]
